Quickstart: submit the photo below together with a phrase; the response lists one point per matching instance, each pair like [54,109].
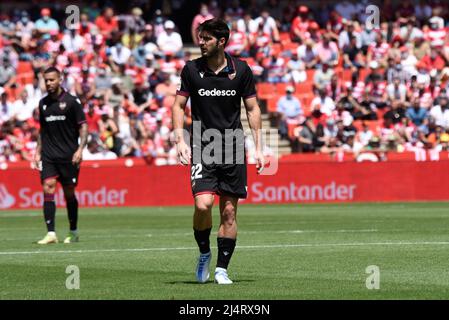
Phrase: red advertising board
[116,184]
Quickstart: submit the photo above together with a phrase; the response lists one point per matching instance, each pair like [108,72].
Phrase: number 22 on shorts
[196,170]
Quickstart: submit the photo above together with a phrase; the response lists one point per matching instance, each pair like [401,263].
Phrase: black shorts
[65,172]
[222,179]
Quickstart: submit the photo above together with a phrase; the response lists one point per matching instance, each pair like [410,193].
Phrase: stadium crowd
[330,82]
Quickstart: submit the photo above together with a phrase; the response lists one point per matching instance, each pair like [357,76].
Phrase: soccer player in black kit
[216,83]
[59,154]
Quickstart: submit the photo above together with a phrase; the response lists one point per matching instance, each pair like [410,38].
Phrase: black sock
[72,212]
[225,250]
[49,211]
[202,238]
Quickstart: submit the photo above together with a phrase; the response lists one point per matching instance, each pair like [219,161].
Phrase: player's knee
[203,206]
[49,186]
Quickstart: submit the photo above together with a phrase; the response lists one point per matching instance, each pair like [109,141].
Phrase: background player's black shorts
[221,179]
[65,172]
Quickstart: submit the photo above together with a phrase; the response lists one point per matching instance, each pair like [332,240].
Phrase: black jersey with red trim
[60,120]
[216,98]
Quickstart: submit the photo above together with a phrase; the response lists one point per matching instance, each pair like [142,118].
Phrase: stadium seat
[272,104]
[265,90]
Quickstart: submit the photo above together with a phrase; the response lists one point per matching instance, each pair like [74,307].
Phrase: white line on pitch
[350,244]
[150,235]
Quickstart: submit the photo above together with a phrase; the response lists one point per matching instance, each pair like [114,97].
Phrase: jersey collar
[229,69]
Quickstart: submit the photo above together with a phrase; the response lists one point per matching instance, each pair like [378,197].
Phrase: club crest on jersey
[231,76]
[62,105]
[201,74]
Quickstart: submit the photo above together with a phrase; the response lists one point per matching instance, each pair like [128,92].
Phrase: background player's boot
[50,237]
[221,276]
[72,237]
[202,268]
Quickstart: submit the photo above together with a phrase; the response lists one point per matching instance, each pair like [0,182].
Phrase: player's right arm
[37,155]
[178,111]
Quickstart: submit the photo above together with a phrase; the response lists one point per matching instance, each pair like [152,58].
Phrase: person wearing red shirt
[300,25]
[434,60]
[106,23]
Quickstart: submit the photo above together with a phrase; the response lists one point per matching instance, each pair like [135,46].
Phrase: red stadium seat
[265,90]
[272,104]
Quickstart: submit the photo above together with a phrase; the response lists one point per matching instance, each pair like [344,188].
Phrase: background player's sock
[49,211]
[225,250]
[202,239]
[72,212]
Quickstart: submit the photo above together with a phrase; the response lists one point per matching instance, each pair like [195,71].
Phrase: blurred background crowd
[329,81]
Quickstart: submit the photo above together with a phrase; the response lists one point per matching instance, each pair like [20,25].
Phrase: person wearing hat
[46,23]
[289,111]
[170,41]
[135,21]
[300,25]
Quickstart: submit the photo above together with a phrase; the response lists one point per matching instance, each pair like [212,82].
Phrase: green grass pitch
[283,252]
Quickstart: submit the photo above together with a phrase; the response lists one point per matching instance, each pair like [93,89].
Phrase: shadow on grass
[210,282]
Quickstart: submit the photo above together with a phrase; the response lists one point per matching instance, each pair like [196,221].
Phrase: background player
[216,83]
[58,153]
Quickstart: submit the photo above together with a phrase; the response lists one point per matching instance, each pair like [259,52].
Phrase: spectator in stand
[289,111]
[397,93]
[276,69]
[119,53]
[7,72]
[417,114]
[268,24]
[323,76]
[170,41]
[46,23]
[327,51]
[378,51]
[352,56]
[107,22]
[323,103]
[6,108]
[296,70]
[202,16]
[300,25]
[307,53]
[440,113]
[238,43]
[24,107]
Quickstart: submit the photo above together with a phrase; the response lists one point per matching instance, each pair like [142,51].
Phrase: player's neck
[56,94]
[217,62]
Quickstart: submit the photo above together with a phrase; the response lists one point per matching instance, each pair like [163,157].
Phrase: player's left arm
[255,122]
[80,118]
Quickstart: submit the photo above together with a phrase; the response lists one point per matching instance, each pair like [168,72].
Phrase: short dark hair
[52,69]
[216,27]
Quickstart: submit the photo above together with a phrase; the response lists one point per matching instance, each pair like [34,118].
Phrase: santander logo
[292,192]
[217,93]
[6,200]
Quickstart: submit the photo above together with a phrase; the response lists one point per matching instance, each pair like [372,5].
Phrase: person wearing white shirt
[269,24]
[120,54]
[323,103]
[24,107]
[169,41]
[440,113]
[72,41]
